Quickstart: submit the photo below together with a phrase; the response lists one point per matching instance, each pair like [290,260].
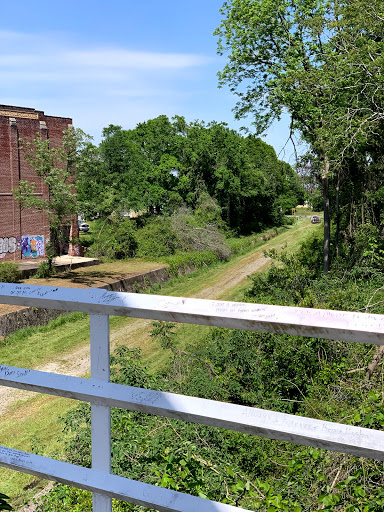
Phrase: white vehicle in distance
[83,226]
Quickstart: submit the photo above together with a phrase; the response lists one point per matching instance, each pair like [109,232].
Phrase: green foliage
[313,59]
[116,239]
[194,235]
[286,282]
[164,452]
[164,333]
[9,272]
[156,238]
[56,168]
[164,164]
[207,211]
[127,368]
[246,368]
[184,261]
[64,498]
[369,245]
[4,505]
[304,376]
[284,373]
[44,270]
[310,253]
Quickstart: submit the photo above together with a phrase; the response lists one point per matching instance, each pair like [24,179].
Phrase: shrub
[182,261]
[116,240]
[289,220]
[156,238]
[311,253]
[194,236]
[369,247]
[208,212]
[9,272]
[44,270]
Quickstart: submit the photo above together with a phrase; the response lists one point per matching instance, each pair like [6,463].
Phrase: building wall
[23,233]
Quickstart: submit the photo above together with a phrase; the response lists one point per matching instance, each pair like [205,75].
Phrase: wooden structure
[333,325]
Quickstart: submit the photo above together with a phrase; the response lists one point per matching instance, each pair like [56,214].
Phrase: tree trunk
[375,361]
[337,214]
[351,208]
[327,219]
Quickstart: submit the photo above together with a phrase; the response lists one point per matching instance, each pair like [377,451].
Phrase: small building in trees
[24,233]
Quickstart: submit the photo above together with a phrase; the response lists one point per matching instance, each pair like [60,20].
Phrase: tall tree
[276,50]
[56,168]
[321,61]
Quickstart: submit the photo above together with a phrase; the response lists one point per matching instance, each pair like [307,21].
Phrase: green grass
[35,420]
[40,435]
[33,346]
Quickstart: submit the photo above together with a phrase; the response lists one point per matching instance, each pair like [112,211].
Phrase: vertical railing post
[100,415]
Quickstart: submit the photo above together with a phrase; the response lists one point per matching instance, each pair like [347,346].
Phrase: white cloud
[119,58]
[100,84]
[23,52]
[51,61]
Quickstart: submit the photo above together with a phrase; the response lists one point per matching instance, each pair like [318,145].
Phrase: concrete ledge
[33,317]
[61,263]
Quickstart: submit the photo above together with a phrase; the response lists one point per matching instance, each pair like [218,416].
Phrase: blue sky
[117,62]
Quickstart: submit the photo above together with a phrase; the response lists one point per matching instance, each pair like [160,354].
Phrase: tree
[163,164]
[319,61]
[137,168]
[56,168]
[357,59]
[276,50]
[239,173]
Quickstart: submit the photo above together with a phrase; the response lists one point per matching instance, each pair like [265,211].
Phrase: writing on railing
[365,328]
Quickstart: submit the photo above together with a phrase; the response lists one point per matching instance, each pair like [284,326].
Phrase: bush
[9,272]
[289,220]
[208,211]
[369,246]
[311,253]
[182,261]
[116,240]
[44,270]
[156,238]
[194,236]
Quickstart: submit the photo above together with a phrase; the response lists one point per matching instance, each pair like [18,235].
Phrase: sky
[118,62]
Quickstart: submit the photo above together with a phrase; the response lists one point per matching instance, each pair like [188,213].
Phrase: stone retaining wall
[32,317]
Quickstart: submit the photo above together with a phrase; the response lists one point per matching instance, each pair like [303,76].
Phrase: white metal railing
[335,325]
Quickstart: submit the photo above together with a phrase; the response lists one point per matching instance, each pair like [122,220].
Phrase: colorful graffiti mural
[32,246]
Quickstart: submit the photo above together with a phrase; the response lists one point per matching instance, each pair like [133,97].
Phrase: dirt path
[136,333]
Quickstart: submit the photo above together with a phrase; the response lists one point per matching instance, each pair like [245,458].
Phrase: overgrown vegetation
[321,63]
[328,380]
[190,188]
[183,239]
[9,272]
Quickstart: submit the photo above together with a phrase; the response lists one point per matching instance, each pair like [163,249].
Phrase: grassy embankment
[32,425]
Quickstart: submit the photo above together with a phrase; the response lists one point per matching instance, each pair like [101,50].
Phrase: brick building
[23,233]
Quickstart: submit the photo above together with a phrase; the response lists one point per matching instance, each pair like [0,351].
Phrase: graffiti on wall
[32,246]
[9,244]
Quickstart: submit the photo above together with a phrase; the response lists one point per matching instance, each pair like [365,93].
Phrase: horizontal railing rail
[357,327]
